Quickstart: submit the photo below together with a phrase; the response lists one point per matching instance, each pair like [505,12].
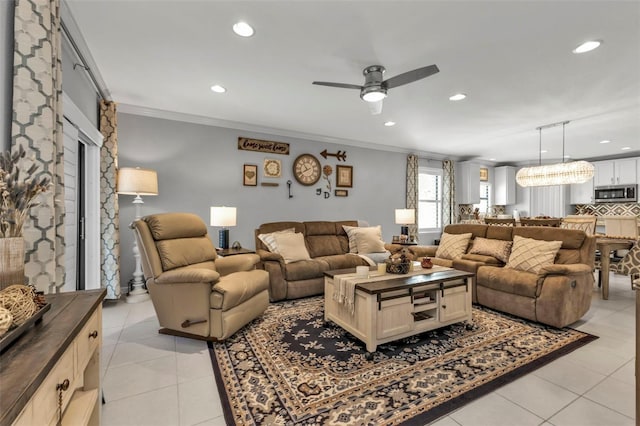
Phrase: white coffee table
[391,307]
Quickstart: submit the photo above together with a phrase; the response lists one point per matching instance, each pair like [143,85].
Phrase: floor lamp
[224,217]
[137,181]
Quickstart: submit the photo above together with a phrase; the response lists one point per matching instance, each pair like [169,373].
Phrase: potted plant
[18,193]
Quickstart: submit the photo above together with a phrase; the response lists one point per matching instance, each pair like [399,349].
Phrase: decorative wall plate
[272,168]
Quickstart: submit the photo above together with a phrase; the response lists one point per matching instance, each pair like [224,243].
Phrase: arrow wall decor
[340,155]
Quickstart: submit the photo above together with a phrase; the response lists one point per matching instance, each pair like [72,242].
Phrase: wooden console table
[59,355]
[401,306]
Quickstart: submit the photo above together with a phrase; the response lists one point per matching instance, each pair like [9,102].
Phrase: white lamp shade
[223,216]
[405,216]
[137,181]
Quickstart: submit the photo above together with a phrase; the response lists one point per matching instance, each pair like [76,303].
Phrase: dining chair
[500,222]
[630,264]
[586,223]
[621,226]
[530,221]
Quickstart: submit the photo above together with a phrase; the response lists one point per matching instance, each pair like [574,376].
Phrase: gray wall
[200,166]
[77,85]
[6,71]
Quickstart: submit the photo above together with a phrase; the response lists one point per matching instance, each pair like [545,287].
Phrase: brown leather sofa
[559,295]
[195,293]
[328,247]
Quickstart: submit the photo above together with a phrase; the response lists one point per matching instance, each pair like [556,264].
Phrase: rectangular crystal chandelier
[555,174]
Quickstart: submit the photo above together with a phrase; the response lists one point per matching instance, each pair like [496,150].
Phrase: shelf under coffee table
[391,307]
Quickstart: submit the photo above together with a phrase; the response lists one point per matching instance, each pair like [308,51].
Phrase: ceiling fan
[375,89]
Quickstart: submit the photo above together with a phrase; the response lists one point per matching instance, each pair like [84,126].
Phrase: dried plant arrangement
[17,193]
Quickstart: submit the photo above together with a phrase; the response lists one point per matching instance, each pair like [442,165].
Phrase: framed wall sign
[341,193]
[272,168]
[344,176]
[250,175]
[484,174]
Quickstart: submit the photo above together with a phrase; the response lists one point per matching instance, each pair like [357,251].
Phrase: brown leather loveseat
[557,294]
[328,247]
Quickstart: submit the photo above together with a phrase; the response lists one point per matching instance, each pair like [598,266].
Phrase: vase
[11,261]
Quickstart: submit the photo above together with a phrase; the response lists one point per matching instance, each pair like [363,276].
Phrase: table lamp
[405,217]
[224,217]
[137,181]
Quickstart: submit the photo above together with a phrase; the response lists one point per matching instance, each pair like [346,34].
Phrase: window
[485,191]
[429,199]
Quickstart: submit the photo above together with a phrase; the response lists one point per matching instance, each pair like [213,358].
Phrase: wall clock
[272,168]
[307,169]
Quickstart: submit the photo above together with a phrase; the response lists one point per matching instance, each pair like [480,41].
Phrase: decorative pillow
[531,255]
[291,246]
[496,248]
[365,239]
[269,240]
[453,246]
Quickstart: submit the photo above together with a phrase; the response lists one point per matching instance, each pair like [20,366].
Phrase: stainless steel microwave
[616,193]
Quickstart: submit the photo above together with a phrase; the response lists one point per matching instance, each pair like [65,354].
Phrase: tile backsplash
[609,209]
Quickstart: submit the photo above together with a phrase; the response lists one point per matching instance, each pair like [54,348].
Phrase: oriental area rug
[290,368]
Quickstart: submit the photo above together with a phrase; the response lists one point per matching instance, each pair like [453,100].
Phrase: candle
[362,271]
[382,268]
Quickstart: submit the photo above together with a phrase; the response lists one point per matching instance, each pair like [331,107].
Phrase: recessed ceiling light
[243,29]
[389,123]
[218,89]
[605,141]
[625,148]
[457,97]
[587,46]
[543,151]
[567,156]
[492,159]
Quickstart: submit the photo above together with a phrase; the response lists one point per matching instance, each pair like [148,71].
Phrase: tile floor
[153,379]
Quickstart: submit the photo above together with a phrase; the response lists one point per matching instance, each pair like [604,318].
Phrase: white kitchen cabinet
[548,200]
[467,183]
[581,193]
[504,185]
[615,172]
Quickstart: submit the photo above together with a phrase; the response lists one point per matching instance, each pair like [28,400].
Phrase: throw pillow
[532,255]
[291,246]
[453,246]
[269,240]
[497,248]
[365,239]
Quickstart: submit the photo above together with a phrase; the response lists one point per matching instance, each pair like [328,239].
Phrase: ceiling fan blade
[410,76]
[375,107]
[341,85]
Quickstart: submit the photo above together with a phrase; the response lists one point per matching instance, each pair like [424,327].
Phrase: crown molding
[216,122]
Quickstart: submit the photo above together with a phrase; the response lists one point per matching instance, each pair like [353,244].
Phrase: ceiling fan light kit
[375,89]
[555,174]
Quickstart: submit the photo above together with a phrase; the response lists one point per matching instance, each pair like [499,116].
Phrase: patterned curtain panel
[448,193]
[109,210]
[412,190]
[37,127]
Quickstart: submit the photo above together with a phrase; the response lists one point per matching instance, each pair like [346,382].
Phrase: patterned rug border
[498,382]
[453,404]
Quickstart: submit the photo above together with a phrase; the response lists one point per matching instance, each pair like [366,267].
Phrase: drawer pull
[189,323]
[93,334]
[61,387]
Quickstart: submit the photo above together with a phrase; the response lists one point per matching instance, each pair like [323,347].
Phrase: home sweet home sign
[259,145]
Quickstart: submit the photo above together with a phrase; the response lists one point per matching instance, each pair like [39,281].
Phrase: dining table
[606,245]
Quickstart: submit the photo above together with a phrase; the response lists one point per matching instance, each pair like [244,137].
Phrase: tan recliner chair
[195,293]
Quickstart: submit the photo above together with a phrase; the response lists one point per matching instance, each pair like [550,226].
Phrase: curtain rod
[83,64]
